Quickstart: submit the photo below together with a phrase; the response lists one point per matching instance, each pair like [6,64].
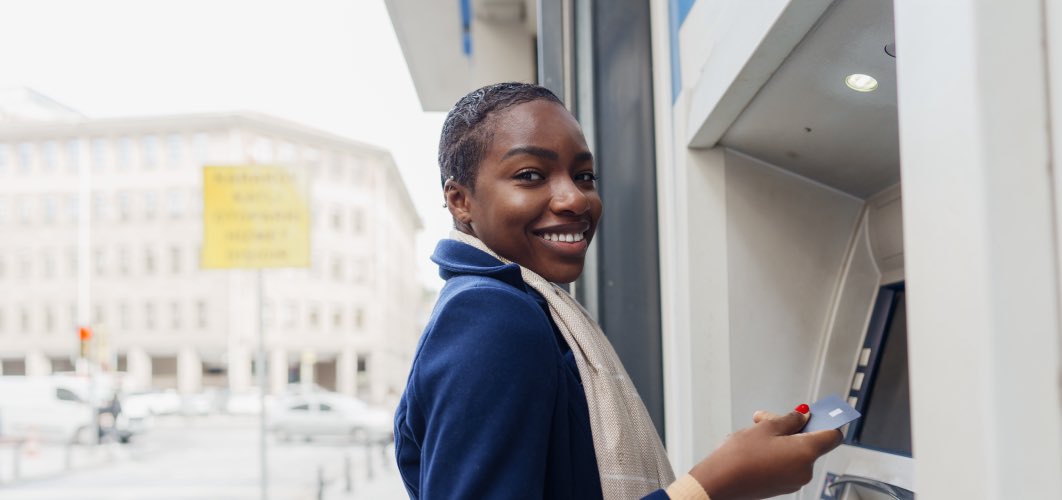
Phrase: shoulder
[481,325]
[472,307]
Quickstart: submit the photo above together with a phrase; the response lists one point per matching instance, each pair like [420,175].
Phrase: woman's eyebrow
[533,151]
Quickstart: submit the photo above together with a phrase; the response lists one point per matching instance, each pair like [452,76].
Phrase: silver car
[319,414]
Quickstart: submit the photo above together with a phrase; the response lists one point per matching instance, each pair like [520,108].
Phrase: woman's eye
[586,177]
[529,175]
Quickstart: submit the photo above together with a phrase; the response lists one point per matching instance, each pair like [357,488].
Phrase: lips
[566,239]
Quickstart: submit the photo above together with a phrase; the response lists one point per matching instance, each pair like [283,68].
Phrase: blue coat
[494,406]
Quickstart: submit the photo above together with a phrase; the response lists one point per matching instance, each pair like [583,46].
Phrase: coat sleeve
[486,384]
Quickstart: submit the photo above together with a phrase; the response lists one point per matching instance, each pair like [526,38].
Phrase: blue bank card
[830,412]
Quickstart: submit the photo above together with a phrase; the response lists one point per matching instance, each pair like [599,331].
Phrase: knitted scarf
[630,457]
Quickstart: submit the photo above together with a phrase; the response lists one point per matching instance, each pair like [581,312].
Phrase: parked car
[318,414]
[166,402]
[41,408]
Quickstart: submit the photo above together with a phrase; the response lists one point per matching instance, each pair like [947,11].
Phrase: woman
[514,391]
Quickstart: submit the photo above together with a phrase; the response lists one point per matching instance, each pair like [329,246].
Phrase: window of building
[175,315]
[3,325]
[98,207]
[175,259]
[173,150]
[3,158]
[357,221]
[98,264]
[151,204]
[314,316]
[124,208]
[291,312]
[286,152]
[99,154]
[201,148]
[363,363]
[175,203]
[149,316]
[337,318]
[73,155]
[49,156]
[269,313]
[22,210]
[25,157]
[337,268]
[97,315]
[201,314]
[149,149]
[3,267]
[337,218]
[123,316]
[25,266]
[51,208]
[3,210]
[359,318]
[335,168]
[24,320]
[124,153]
[123,261]
[49,320]
[149,261]
[47,265]
[70,208]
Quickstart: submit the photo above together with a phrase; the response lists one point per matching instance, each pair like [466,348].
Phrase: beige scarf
[630,457]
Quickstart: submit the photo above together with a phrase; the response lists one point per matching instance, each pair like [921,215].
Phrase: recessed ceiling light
[861,83]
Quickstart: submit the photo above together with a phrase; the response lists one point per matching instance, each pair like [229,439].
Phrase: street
[212,457]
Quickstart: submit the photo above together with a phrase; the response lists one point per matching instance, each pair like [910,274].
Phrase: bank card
[830,412]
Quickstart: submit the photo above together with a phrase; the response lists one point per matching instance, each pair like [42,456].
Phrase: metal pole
[260,374]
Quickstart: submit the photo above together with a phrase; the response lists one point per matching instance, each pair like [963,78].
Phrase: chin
[564,275]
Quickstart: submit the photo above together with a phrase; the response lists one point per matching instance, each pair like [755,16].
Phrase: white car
[41,408]
[319,414]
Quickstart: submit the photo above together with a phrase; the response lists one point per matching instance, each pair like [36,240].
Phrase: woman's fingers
[787,424]
[825,441]
[762,415]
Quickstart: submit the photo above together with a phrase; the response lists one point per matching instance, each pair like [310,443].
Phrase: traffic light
[85,334]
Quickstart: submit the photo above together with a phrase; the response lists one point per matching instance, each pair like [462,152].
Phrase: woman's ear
[458,201]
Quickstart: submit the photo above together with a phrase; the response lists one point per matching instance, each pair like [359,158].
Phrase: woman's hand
[764,460]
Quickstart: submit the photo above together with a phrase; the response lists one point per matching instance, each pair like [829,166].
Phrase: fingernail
[803,408]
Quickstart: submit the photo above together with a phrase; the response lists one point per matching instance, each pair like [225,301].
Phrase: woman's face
[535,200]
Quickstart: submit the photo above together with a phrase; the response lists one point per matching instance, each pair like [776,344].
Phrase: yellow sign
[254,217]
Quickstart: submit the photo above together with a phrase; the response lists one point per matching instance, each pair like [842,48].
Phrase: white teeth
[567,237]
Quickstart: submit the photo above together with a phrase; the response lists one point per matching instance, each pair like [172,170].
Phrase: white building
[346,321]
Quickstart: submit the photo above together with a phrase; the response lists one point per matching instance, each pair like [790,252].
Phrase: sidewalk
[30,461]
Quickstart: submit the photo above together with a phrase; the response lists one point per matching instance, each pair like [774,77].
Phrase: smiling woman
[515,392]
[533,200]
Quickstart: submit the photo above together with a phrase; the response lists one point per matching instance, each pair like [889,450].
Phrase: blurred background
[128,369]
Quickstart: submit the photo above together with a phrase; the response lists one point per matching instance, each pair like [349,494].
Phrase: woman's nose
[568,198]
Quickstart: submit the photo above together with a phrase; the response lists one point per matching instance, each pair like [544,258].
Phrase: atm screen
[885,401]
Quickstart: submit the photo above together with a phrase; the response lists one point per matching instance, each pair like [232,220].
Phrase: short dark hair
[465,139]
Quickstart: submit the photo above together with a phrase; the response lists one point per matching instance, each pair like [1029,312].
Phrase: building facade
[349,322]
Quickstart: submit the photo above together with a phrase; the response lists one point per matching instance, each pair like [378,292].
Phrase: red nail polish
[803,408]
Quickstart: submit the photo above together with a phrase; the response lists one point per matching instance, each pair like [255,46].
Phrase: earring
[445,205]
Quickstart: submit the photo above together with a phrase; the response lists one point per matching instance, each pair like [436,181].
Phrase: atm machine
[824,128]
[868,366]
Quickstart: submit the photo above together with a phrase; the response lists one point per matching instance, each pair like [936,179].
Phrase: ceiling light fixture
[861,83]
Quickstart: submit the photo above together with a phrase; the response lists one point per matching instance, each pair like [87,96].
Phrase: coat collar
[456,259]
